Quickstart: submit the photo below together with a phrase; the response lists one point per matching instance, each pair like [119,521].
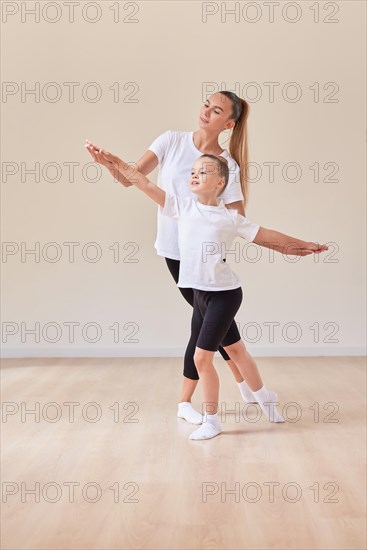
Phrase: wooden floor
[141,484]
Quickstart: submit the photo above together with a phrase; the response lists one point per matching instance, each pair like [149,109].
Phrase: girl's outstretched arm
[131,173]
[286,244]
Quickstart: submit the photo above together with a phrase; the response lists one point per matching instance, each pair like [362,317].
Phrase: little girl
[206,230]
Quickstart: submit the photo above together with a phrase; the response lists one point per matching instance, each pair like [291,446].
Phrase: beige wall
[171,55]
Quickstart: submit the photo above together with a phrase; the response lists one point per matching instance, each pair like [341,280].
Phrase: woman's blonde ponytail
[238,144]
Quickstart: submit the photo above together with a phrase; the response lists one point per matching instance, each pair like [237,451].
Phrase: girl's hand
[96,153]
[102,157]
[312,248]
[316,247]
[110,161]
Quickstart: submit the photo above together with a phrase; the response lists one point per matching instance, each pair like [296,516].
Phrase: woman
[176,152]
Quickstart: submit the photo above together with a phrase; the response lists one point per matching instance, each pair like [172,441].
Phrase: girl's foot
[187,412]
[210,428]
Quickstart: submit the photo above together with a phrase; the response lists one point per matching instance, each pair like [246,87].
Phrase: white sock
[246,393]
[209,428]
[266,400]
[187,411]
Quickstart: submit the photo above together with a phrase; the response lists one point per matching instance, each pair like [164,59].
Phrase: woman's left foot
[246,393]
[267,400]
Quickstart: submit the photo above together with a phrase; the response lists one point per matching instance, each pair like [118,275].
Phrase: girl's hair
[222,167]
[238,144]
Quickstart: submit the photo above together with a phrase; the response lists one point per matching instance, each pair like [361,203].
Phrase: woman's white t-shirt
[176,155]
[205,234]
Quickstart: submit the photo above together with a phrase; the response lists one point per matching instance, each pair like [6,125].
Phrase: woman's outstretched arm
[286,244]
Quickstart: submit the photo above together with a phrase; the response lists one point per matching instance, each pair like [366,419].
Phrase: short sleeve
[161,144]
[246,228]
[233,191]
[172,206]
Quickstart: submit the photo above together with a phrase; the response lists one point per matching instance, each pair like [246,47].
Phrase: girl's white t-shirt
[205,235]
[176,154]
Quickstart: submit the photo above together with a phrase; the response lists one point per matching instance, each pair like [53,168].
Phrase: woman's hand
[110,158]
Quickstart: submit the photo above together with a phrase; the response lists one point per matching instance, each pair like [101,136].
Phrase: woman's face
[215,113]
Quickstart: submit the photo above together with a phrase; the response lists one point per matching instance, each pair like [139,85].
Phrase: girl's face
[215,114]
[205,178]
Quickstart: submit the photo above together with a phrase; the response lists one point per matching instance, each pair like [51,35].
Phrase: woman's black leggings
[231,336]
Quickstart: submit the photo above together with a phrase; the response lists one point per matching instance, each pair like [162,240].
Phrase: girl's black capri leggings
[217,309]
[233,334]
